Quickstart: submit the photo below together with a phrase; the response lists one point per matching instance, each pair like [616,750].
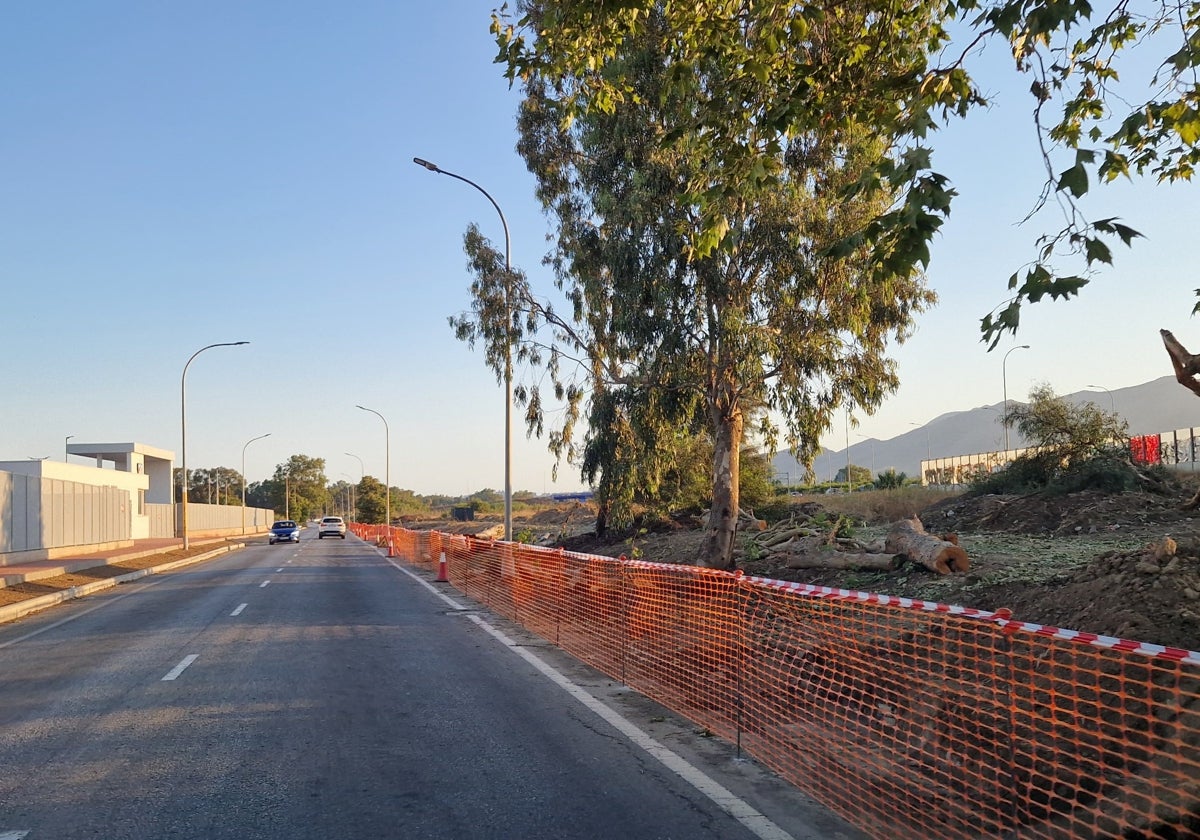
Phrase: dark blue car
[285,530]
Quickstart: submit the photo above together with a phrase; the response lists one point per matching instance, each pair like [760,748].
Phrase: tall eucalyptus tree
[782,305]
[899,69]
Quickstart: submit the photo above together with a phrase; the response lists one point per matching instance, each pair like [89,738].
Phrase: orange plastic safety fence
[910,719]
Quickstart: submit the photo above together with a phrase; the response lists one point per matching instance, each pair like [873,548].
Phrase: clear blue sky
[175,175]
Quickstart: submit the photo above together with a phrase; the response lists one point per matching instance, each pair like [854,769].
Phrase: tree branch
[1187,366]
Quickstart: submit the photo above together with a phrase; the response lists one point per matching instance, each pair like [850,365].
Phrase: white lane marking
[757,823]
[264,583]
[12,835]
[280,569]
[237,611]
[181,667]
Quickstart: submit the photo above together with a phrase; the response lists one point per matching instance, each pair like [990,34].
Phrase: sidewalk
[16,573]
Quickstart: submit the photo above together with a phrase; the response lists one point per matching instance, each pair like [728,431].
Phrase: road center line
[237,611]
[264,583]
[181,667]
[280,569]
[12,835]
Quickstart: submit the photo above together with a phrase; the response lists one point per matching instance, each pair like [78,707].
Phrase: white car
[331,526]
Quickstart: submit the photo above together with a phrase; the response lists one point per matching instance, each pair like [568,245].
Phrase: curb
[23,608]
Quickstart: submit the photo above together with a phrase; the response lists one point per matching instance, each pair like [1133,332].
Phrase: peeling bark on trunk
[840,560]
[717,552]
[816,553]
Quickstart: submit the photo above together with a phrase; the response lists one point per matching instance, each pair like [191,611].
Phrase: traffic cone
[441,575]
[391,548]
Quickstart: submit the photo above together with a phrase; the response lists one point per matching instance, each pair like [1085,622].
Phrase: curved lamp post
[67,452]
[247,443]
[183,430]
[387,464]
[1004,374]
[362,471]
[433,167]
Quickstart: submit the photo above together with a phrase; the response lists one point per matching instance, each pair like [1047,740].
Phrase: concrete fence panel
[222,520]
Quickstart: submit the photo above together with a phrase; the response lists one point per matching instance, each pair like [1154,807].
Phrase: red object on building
[1145,449]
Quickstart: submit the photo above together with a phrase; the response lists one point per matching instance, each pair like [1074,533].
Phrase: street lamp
[183,431]
[433,167]
[387,464]
[1112,401]
[350,489]
[1004,374]
[247,443]
[66,454]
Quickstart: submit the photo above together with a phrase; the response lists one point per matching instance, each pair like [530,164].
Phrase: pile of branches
[815,544]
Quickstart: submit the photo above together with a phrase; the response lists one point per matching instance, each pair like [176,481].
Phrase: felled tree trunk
[817,553]
[908,537]
[830,559]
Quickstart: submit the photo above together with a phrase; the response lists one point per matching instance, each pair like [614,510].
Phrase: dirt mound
[1063,515]
[1152,594]
[1083,561]
[561,516]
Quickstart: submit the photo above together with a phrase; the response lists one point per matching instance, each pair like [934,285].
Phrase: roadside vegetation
[1073,448]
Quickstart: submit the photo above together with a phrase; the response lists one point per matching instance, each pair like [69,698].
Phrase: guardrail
[910,719]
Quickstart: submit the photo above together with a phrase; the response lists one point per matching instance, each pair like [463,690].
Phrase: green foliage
[890,480]
[210,486]
[1072,448]
[298,488]
[859,476]
[371,501]
[755,487]
[697,300]
[776,70]
[407,503]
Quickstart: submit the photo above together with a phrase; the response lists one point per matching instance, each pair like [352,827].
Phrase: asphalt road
[318,691]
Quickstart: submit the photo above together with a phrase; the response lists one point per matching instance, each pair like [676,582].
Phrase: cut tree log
[908,537]
[829,559]
[813,553]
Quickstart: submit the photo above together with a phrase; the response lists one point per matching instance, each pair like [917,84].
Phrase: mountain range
[1160,405]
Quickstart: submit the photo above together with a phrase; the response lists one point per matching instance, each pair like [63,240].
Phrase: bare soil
[48,586]
[1086,561]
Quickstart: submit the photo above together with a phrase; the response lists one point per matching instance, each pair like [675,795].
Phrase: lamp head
[432,167]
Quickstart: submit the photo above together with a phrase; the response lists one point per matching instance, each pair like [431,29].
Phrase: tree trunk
[908,537]
[717,552]
[831,559]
